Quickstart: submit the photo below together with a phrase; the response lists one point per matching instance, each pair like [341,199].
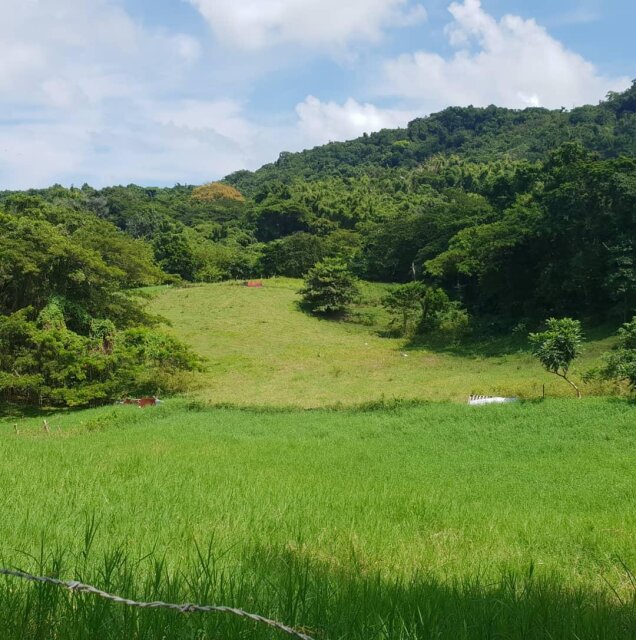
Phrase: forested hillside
[515,215]
[476,134]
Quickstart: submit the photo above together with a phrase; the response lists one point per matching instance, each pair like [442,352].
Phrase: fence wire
[78,587]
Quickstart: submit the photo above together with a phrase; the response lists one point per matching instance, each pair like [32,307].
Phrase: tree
[329,287]
[292,255]
[216,191]
[620,364]
[433,301]
[558,346]
[403,302]
[429,307]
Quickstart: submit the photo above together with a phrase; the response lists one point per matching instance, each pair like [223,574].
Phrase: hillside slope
[262,350]
[476,134]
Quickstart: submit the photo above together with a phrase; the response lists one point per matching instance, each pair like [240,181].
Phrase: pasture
[404,521]
[263,351]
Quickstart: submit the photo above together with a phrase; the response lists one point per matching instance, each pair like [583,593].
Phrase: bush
[620,364]
[453,323]
[329,287]
[57,367]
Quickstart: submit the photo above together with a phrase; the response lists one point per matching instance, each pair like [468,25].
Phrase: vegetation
[71,333]
[515,215]
[376,514]
[620,364]
[558,346]
[261,350]
[479,135]
[329,288]
[399,522]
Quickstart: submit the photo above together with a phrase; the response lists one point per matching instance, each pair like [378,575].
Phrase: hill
[514,217]
[474,134]
[262,350]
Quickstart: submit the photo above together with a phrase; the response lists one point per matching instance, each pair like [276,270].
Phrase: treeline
[72,331]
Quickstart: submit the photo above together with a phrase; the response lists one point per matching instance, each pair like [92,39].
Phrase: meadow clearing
[263,351]
[393,520]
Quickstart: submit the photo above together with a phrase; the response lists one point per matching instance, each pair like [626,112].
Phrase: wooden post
[45,426]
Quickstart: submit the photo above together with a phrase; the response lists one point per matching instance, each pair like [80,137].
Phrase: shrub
[620,364]
[329,287]
[58,367]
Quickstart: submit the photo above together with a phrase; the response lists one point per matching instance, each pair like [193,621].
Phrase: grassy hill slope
[263,350]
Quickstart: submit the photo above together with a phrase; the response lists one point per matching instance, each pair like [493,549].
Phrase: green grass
[431,521]
[399,519]
[263,351]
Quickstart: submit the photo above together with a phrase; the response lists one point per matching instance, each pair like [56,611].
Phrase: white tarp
[480,400]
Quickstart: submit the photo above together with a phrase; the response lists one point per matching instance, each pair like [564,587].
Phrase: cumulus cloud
[320,122]
[86,94]
[255,24]
[511,62]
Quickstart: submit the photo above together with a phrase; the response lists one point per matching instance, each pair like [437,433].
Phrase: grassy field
[400,519]
[432,521]
[263,351]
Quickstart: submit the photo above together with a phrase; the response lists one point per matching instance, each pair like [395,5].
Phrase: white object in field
[480,400]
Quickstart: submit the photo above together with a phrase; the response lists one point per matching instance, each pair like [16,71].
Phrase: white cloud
[320,122]
[511,62]
[85,94]
[255,24]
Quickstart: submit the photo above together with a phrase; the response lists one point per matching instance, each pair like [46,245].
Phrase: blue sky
[166,91]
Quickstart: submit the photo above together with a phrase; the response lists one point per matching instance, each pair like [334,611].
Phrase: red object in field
[147,402]
[142,402]
[254,283]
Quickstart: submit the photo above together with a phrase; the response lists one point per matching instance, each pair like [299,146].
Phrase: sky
[159,92]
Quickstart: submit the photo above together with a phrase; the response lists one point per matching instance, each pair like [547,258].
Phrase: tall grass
[318,599]
[431,521]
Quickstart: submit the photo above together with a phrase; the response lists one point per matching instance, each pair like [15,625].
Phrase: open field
[262,350]
[399,519]
[437,520]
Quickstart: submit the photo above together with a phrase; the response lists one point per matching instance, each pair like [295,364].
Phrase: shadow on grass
[487,343]
[321,599]
[473,347]
[8,411]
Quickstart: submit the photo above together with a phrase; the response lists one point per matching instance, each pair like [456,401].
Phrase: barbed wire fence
[79,587]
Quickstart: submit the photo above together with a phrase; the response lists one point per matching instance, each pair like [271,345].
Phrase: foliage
[475,134]
[403,303]
[620,364]
[452,323]
[329,287]
[46,364]
[292,255]
[216,191]
[558,346]
[426,309]
[67,309]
